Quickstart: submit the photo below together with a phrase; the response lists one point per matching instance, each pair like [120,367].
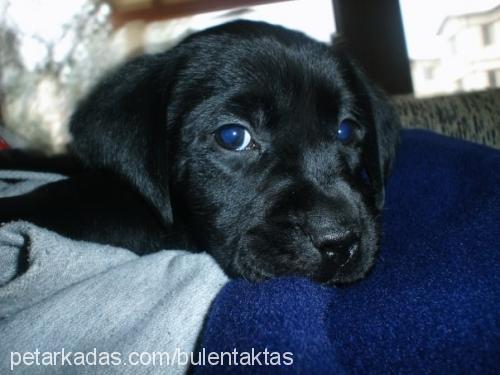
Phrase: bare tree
[36,97]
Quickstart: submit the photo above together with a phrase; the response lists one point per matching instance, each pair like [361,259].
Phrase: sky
[421,19]
[314,17]
[39,22]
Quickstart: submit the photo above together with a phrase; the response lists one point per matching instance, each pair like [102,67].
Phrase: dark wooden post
[372,31]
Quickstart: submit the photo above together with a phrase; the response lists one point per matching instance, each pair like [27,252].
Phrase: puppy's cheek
[272,254]
[225,251]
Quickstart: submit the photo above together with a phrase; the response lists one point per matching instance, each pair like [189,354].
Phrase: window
[453,45]
[429,73]
[494,78]
[487,33]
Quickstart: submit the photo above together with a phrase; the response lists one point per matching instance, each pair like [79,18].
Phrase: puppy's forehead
[271,67]
[268,74]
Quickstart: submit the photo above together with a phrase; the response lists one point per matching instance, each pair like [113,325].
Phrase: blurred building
[469,59]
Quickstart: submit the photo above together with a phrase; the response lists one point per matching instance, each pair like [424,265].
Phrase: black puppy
[255,143]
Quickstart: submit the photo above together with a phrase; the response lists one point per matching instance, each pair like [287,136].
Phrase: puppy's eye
[346,131]
[234,137]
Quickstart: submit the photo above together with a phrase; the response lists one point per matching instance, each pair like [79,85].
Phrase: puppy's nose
[336,247]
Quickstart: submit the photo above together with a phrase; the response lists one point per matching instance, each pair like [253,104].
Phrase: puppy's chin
[256,263]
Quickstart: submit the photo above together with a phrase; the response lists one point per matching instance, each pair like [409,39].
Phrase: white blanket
[113,311]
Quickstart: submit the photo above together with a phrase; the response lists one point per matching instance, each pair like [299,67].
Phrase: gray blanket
[112,311]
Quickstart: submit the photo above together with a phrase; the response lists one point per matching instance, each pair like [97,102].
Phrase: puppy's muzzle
[333,231]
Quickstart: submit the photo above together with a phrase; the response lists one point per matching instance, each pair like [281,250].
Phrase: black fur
[299,203]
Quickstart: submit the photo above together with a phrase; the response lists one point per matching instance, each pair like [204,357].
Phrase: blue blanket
[431,304]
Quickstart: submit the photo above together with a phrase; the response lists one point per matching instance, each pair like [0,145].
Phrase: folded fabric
[430,305]
[14,183]
[59,296]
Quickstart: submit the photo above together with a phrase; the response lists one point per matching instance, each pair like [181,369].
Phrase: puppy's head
[269,149]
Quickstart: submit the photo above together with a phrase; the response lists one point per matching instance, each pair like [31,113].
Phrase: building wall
[466,63]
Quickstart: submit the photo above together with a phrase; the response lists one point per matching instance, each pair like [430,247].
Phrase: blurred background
[52,51]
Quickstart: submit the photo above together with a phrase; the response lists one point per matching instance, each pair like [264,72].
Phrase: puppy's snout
[336,247]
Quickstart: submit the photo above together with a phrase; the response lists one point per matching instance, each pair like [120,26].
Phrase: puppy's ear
[121,126]
[382,142]
[383,133]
